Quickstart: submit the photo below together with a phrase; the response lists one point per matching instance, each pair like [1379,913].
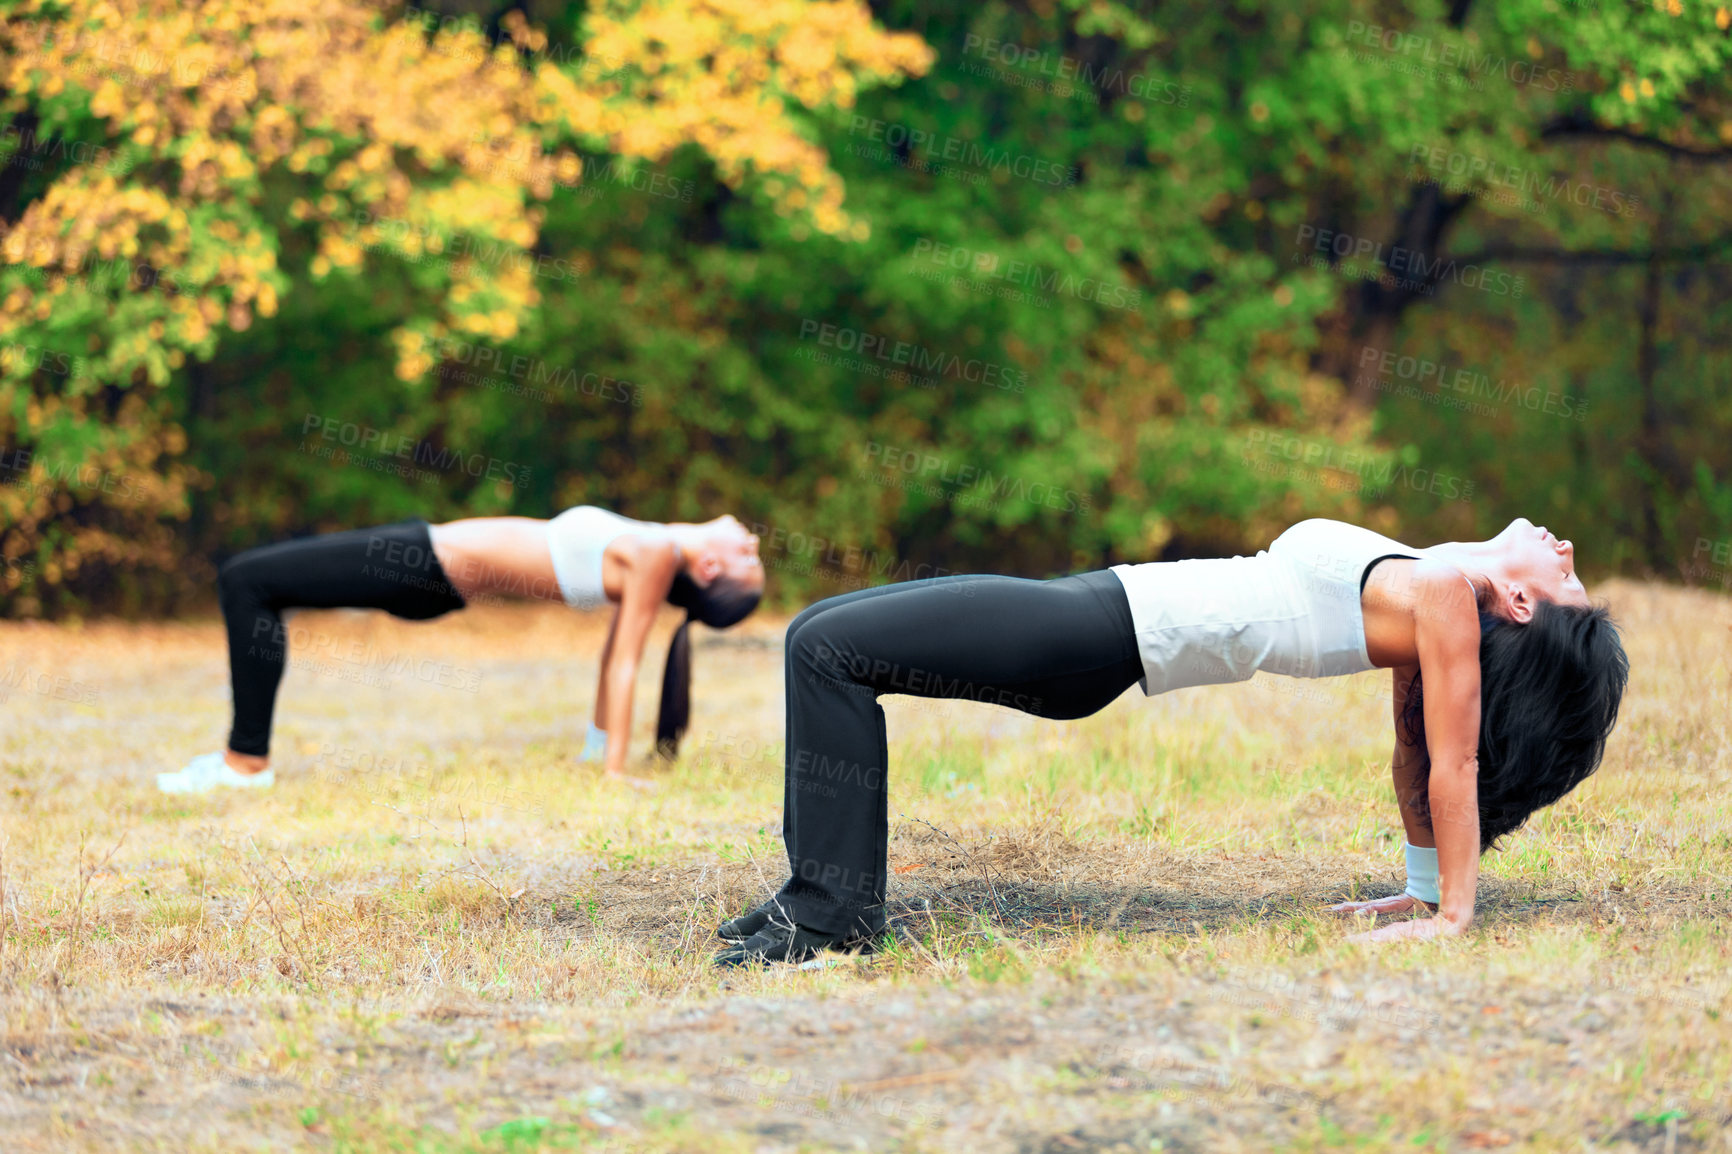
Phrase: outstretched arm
[649,574]
[601,687]
[1447,641]
[595,742]
[1404,765]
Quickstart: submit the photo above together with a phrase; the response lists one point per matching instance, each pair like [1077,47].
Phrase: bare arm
[649,574]
[1405,762]
[1447,641]
[1404,766]
[601,676]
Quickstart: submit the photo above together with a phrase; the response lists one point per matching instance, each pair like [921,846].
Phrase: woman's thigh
[1060,648]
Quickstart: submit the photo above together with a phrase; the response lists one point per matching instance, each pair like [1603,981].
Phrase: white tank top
[1293,609]
[577,538]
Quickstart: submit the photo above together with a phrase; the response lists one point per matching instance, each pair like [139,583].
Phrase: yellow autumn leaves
[231,132]
[407,136]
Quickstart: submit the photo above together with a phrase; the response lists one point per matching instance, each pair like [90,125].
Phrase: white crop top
[1293,609]
[577,538]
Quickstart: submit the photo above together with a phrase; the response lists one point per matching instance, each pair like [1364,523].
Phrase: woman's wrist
[1456,919]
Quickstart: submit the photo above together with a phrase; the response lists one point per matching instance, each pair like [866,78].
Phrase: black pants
[391,568]
[1064,648]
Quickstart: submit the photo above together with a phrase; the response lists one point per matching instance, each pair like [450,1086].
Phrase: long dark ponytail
[721,603]
[1549,692]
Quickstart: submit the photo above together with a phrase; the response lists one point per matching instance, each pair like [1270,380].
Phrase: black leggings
[391,568]
[1064,648]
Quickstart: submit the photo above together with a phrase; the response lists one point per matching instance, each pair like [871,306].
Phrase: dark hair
[1548,698]
[719,604]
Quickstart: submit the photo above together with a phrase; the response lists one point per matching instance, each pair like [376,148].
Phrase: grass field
[439,934]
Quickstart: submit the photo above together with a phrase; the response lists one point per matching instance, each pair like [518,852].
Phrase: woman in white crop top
[589,557]
[1521,676]
[586,557]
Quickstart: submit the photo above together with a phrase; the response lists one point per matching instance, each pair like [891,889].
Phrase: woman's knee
[812,611]
[231,577]
[813,648]
[803,643]
[238,582]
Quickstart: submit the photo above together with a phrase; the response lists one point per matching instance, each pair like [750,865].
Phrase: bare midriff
[497,554]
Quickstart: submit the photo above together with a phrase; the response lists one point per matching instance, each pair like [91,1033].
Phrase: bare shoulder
[651,556]
[1441,597]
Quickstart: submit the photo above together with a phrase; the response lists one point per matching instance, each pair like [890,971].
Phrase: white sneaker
[203,774]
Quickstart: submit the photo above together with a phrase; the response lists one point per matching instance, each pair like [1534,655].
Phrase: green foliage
[1124,282]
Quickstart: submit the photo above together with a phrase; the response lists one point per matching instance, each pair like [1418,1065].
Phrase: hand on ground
[640,783]
[1415,928]
[1395,904]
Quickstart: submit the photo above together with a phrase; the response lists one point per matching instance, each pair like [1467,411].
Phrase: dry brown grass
[439,934]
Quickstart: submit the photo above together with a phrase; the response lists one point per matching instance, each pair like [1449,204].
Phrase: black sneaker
[746,925]
[778,941]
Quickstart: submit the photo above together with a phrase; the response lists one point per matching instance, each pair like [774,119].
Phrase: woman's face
[732,552]
[1539,565]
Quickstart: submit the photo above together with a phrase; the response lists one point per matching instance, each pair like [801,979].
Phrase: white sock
[1422,874]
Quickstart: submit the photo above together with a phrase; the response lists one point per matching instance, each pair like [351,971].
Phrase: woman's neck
[1477,559]
[685,541]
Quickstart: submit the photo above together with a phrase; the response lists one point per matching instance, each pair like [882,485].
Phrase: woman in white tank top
[589,557]
[1521,681]
[586,557]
